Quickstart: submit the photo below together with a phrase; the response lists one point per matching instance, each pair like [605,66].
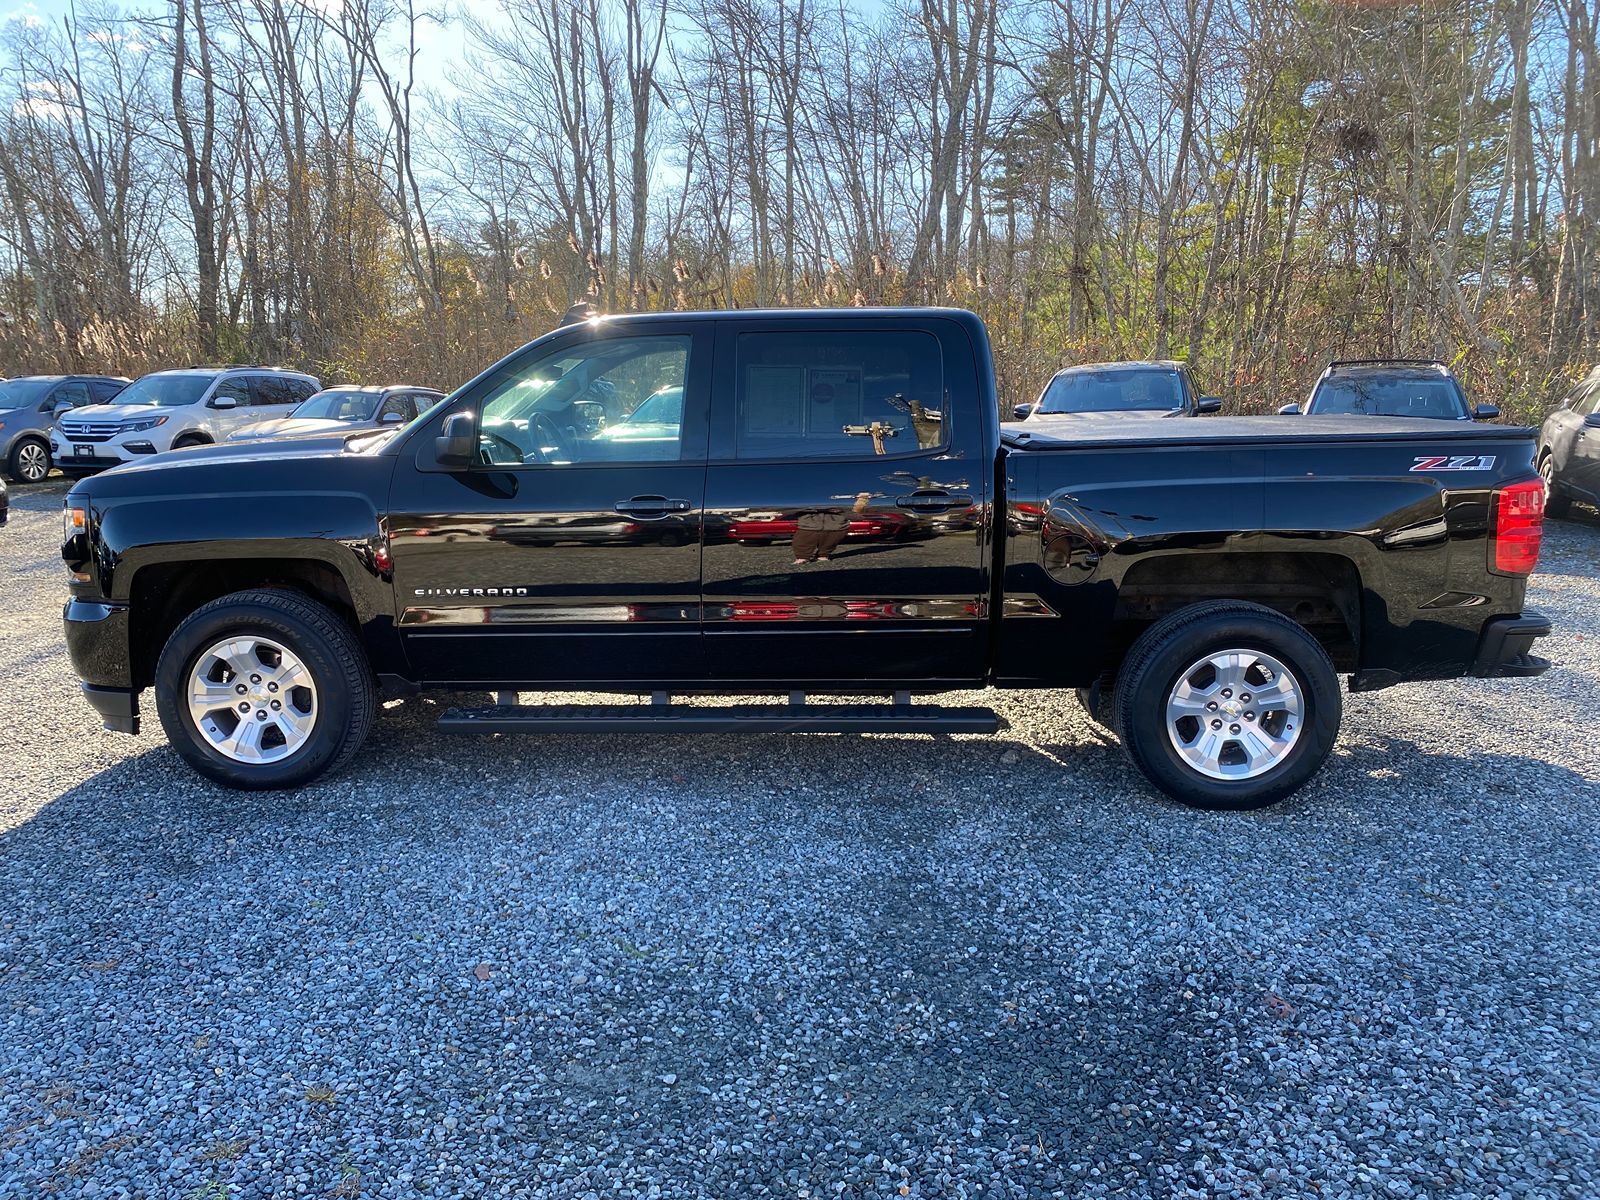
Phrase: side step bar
[662,717]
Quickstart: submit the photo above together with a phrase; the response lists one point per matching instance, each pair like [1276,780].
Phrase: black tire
[1170,647]
[1556,503]
[346,692]
[190,439]
[22,464]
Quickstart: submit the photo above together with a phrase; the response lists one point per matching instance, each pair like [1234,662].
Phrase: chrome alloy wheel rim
[33,464]
[252,699]
[1235,714]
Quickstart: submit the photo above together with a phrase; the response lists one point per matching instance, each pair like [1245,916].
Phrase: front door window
[613,401]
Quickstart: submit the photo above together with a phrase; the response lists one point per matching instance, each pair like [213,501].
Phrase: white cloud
[46,103]
[27,14]
[129,42]
[40,110]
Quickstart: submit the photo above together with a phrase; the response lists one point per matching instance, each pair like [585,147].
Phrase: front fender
[341,529]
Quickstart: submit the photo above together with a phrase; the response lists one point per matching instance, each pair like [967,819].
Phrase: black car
[29,405]
[827,504]
[1569,448]
[1390,387]
[1129,389]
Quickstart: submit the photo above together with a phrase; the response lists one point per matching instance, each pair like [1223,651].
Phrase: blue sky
[442,53]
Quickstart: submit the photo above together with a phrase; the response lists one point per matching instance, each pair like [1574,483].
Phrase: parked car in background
[343,409]
[1569,448]
[29,404]
[168,410]
[1150,389]
[1390,387]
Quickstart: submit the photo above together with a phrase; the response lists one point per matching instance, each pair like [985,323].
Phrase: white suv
[167,410]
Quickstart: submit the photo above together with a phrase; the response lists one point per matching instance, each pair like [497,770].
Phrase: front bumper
[1504,645]
[110,452]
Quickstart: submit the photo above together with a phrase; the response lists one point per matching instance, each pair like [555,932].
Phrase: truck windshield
[1390,396]
[1090,390]
[339,404]
[165,391]
[14,393]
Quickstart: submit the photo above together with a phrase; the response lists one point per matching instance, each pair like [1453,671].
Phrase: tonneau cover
[1059,431]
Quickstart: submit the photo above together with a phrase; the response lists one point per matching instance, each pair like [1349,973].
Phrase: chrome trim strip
[756,610]
[599,612]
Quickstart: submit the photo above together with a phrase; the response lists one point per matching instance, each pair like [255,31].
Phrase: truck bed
[1070,432]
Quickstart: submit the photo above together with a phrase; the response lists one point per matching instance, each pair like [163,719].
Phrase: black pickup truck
[800,504]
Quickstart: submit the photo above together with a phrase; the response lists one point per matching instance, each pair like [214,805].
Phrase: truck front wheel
[264,689]
[1227,705]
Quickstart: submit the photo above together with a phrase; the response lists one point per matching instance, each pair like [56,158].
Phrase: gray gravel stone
[805,966]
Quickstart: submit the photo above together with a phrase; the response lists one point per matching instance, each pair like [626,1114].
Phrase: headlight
[73,522]
[139,423]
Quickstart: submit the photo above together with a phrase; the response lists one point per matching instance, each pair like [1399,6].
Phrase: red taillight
[1518,528]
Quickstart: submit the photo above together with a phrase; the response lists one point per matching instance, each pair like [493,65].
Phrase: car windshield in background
[341,404]
[14,393]
[165,391]
[665,407]
[1390,396]
[1112,391]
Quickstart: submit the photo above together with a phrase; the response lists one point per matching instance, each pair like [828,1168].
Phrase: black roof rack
[237,367]
[1387,362]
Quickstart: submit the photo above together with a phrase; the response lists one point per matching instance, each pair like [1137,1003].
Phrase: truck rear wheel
[1228,705]
[264,689]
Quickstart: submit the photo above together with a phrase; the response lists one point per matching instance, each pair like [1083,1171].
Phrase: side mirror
[1021,412]
[1289,410]
[1210,404]
[455,446]
[1592,420]
[223,402]
[391,418]
[61,406]
[1485,412]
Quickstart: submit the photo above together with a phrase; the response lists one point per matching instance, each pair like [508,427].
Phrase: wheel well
[198,436]
[165,593]
[1321,592]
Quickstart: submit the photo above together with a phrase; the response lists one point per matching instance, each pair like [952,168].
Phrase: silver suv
[167,410]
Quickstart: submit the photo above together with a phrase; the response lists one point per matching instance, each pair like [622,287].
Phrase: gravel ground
[864,966]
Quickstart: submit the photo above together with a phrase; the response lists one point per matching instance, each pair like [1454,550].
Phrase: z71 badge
[1454,462]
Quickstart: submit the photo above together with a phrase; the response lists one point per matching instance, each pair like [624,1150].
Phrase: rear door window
[271,392]
[838,395]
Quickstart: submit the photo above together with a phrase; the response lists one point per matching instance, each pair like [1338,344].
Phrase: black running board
[738,718]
